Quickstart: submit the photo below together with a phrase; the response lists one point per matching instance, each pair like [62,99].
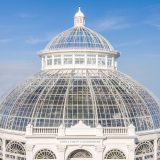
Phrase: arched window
[115,154]
[145,150]
[45,154]
[144,147]
[16,148]
[80,153]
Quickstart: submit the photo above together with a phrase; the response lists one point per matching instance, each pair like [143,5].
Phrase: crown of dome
[56,97]
[79,13]
[79,38]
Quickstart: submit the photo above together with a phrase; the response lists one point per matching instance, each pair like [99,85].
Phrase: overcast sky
[132,27]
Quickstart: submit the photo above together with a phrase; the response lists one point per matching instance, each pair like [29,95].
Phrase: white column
[96,60]
[42,63]
[62,60]
[61,152]
[73,60]
[85,58]
[99,153]
[29,152]
[106,61]
[155,148]
[112,62]
[116,65]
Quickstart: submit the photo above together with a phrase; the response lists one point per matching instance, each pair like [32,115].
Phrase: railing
[60,131]
[45,130]
[115,130]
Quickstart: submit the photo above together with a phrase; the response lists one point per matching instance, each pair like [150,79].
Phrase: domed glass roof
[79,38]
[105,97]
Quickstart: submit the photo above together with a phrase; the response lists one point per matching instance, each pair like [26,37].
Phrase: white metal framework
[56,97]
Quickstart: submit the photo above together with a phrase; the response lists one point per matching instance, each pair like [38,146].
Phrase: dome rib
[93,98]
[122,104]
[12,106]
[136,95]
[34,114]
[66,97]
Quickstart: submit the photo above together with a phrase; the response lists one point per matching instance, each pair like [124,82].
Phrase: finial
[79,10]
[79,18]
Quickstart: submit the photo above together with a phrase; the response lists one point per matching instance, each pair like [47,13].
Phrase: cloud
[33,40]
[37,40]
[130,43]
[6,40]
[112,23]
[153,18]
[26,15]
[154,21]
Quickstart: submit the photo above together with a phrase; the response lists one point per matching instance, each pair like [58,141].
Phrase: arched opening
[15,150]
[115,154]
[145,151]
[80,154]
[45,154]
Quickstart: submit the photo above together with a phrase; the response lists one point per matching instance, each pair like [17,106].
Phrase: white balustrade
[115,130]
[45,130]
[58,131]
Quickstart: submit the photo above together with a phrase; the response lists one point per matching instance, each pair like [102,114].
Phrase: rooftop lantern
[79,18]
[79,47]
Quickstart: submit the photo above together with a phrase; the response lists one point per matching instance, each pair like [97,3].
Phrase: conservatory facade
[79,106]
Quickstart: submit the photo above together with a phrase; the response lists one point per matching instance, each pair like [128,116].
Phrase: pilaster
[155,148]
[99,152]
[61,152]
[29,152]
[131,150]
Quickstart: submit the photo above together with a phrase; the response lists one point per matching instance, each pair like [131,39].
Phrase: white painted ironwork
[117,100]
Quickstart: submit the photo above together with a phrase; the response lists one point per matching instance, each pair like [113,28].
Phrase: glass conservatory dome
[56,97]
[99,95]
